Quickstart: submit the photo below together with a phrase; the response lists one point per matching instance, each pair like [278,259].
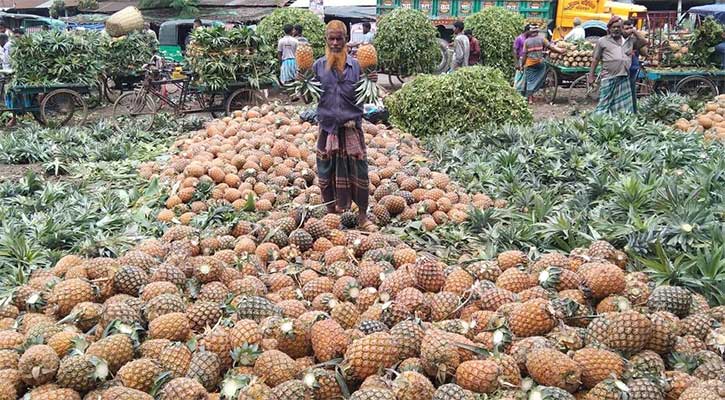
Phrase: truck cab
[594,15]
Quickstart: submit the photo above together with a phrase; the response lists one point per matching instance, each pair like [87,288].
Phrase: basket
[124,21]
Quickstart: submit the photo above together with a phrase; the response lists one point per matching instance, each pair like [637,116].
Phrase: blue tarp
[87,26]
[717,11]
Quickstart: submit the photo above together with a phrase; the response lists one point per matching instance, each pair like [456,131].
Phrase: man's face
[616,29]
[627,30]
[335,41]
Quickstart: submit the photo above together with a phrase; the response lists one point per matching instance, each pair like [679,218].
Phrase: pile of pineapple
[297,307]
[268,156]
[577,54]
[710,121]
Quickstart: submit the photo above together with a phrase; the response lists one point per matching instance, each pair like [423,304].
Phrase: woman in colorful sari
[533,61]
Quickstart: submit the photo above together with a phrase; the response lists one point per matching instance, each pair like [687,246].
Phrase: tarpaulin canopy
[347,9]
[717,11]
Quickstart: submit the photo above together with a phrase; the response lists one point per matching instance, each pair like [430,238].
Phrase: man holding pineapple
[342,166]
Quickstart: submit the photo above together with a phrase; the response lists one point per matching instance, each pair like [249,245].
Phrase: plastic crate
[488,4]
[510,5]
[407,3]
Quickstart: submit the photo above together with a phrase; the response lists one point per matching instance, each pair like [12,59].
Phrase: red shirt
[475,53]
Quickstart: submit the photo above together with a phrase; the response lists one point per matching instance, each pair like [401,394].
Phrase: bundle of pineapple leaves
[407,43]
[220,57]
[467,99]
[56,57]
[653,191]
[496,28]
[702,44]
[271,28]
[126,55]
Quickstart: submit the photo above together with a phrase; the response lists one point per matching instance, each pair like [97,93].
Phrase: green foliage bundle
[271,27]
[54,57]
[465,100]
[496,28]
[126,55]
[220,57]
[703,42]
[656,192]
[407,43]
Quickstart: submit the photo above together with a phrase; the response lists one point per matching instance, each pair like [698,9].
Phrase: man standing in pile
[518,50]
[286,48]
[461,47]
[615,52]
[301,39]
[342,166]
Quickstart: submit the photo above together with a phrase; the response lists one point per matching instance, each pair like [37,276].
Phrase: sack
[124,22]
[309,115]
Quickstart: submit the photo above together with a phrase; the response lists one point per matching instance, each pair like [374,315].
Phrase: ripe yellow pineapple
[306,86]
[304,57]
[367,90]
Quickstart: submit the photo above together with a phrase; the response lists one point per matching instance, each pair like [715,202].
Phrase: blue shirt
[337,103]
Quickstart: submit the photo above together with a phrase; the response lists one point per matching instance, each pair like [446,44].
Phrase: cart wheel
[242,98]
[581,92]
[109,90]
[63,107]
[697,87]
[550,86]
[135,105]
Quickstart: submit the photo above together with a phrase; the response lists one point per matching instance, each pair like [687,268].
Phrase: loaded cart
[50,105]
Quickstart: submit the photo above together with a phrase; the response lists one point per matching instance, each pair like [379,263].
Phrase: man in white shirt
[5,45]
[577,33]
[286,49]
[461,47]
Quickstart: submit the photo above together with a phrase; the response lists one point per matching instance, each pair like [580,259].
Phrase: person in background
[474,57]
[286,49]
[518,51]
[639,48]
[615,53]
[342,166]
[533,61]
[461,47]
[298,35]
[367,37]
[197,24]
[577,33]
[4,29]
[149,31]
[5,46]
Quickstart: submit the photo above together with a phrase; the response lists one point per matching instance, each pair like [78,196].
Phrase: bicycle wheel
[137,105]
[242,98]
[63,107]
[548,90]
[697,87]
[582,92]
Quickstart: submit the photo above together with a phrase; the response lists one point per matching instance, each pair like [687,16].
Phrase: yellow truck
[558,15]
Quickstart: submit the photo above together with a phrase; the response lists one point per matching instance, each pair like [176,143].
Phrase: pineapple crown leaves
[133,330]
[100,371]
[233,384]
[245,355]
[340,376]
[550,277]
[80,345]
[161,380]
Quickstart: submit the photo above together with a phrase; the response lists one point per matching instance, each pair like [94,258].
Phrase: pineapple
[116,350]
[203,314]
[532,318]
[38,365]
[410,385]
[173,326]
[480,376]
[645,389]
[293,390]
[373,394]
[129,280]
[367,90]
[124,393]
[308,87]
[275,367]
[255,308]
[367,355]
[552,368]
[302,239]
[81,372]
[139,374]
[205,367]
[674,299]
[183,388]
[328,340]
[175,358]
[598,365]
[628,331]
[68,293]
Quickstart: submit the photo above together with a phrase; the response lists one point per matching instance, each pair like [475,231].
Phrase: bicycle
[181,96]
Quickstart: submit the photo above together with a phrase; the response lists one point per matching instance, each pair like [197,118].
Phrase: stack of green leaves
[702,44]
[126,55]
[221,57]
[496,28]
[56,57]
[465,100]
[271,28]
[407,43]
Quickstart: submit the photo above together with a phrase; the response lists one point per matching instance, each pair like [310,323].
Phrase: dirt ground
[17,171]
